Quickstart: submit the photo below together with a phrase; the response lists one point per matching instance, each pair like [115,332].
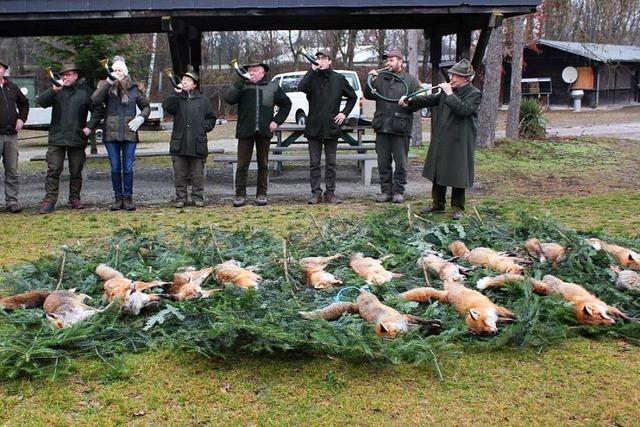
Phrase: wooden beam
[495,20]
[463,44]
[435,54]
[185,45]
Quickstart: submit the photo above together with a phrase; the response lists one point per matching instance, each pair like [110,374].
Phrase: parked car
[300,106]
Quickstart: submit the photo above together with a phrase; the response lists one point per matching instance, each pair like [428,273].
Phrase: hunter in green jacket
[193,119]
[450,159]
[256,98]
[71,104]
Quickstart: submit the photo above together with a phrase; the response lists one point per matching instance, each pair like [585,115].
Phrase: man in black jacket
[393,124]
[325,89]
[14,108]
[68,132]
[256,98]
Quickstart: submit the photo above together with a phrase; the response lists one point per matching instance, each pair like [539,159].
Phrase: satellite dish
[569,74]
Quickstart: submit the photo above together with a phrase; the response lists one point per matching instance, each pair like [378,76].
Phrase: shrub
[532,121]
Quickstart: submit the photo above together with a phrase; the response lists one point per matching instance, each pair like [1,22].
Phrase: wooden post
[435,53]
[463,44]
[185,45]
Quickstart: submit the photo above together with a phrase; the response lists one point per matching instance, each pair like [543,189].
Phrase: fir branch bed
[267,321]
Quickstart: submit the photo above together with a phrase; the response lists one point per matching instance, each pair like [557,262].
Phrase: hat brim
[66,70]
[4,64]
[322,54]
[458,73]
[392,56]
[256,64]
[191,76]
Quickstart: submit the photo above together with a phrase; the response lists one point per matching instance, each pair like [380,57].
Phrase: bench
[139,154]
[341,147]
[368,161]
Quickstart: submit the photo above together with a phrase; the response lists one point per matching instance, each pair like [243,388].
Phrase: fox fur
[130,293]
[626,279]
[545,251]
[62,308]
[445,270]
[315,274]
[188,284]
[587,308]
[625,257]
[486,257]
[481,314]
[66,308]
[31,299]
[230,271]
[371,269]
[387,321]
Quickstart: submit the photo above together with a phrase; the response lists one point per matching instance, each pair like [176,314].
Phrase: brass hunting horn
[303,52]
[54,77]
[239,70]
[175,80]
[105,64]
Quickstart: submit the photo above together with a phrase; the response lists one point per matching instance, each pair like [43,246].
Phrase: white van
[300,105]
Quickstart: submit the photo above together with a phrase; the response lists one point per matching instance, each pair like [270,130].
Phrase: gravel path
[154,184]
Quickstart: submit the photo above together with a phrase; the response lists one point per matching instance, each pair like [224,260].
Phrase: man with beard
[325,89]
[393,124]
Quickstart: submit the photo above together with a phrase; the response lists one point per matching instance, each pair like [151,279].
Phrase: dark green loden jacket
[450,159]
[193,119]
[71,105]
[325,89]
[255,107]
[389,116]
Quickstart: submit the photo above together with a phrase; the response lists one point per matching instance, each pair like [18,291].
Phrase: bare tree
[351,47]
[488,113]
[513,115]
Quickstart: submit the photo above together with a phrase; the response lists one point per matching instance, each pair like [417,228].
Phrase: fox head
[589,313]
[390,328]
[55,320]
[596,244]
[634,261]
[533,248]
[482,321]
[458,249]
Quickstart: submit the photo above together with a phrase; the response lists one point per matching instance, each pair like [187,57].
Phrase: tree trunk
[488,113]
[351,47]
[152,63]
[513,115]
[412,44]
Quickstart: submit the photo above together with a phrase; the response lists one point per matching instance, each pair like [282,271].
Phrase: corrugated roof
[597,52]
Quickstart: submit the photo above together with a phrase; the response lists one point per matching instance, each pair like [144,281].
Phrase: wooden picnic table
[296,131]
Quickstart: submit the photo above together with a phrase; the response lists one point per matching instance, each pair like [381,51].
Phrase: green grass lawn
[581,381]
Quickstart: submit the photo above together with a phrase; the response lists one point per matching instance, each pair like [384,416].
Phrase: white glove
[135,124]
